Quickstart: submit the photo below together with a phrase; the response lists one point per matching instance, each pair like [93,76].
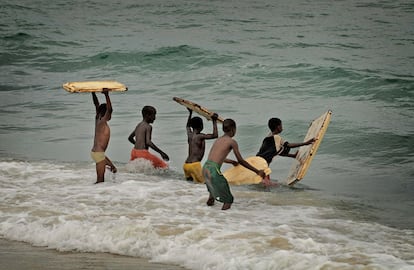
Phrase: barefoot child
[196,146]
[274,145]
[217,185]
[143,142]
[102,135]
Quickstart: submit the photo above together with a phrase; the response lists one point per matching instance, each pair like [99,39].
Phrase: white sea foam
[166,220]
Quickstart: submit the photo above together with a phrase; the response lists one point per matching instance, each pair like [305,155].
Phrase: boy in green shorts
[217,185]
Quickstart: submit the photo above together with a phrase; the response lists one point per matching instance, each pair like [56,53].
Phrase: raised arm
[215,130]
[188,126]
[95,101]
[189,117]
[108,113]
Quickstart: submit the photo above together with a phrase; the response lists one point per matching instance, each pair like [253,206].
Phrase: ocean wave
[164,59]
[57,206]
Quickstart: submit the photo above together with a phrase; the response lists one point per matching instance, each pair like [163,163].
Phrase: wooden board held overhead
[197,108]
[94,86]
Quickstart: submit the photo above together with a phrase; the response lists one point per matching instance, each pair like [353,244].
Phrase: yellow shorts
[98,156]
[193,171]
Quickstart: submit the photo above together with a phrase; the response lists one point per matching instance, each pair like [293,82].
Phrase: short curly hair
[196,122]
[148,110]
[228,125]
[274,123]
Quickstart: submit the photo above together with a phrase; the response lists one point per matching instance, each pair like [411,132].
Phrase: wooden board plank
[94,86]
[306,153]
[240,175]
[197,108]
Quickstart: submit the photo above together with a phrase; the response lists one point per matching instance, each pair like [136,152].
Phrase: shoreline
[15,255]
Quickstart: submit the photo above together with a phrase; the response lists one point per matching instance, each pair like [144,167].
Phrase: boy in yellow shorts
[196,146]
[102,135]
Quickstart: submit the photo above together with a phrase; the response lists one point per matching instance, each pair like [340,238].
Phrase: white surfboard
[306,153]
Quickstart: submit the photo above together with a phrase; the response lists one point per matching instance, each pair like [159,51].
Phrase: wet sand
[18,255]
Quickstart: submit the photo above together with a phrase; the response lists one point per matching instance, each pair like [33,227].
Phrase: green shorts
[216,183]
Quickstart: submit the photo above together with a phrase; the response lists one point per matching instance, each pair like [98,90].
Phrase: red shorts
[143,153]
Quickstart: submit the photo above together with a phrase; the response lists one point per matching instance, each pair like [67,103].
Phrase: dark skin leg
[210,201]
[100,169]
[226,206]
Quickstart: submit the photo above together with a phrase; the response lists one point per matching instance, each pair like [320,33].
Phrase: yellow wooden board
[306,153]
[240,175]
[197,108]
[93,86]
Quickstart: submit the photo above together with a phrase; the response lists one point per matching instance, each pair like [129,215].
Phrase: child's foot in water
[226,206]
[210,201]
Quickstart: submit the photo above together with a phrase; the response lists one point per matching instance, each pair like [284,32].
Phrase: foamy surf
[166,220]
